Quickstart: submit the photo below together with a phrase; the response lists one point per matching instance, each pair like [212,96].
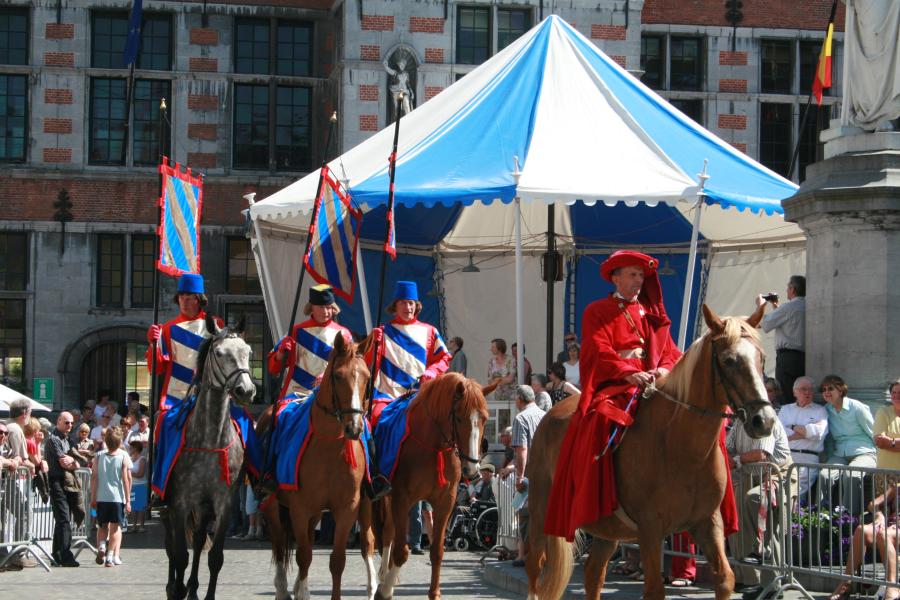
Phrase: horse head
[347,378]
[460,401]
[227,362]
[737,364]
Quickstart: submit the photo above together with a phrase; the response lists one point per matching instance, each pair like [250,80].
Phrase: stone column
[849,208]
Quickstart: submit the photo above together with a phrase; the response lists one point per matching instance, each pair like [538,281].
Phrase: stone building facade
[249,88]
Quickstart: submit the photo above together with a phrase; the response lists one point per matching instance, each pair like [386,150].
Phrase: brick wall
[426,25]
[59,59]
[377,23]
[776,14]
[57,125]
[204,65]
[204,36]
[432,91]
[57,155]
[619,59]
[202,102]
[57,96]
[732,59]
[607,32]
[369,52]
[201,160]
[59,31]
[202,131]
[368,93]
[368,122]
[732,121]
[434,55]
[736,86]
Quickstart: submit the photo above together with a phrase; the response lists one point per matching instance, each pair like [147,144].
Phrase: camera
[770,297]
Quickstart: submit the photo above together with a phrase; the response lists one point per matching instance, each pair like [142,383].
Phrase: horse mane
[439,393]
[678,381]
[203,352]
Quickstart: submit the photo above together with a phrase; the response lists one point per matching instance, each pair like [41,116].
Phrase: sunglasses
[3,432]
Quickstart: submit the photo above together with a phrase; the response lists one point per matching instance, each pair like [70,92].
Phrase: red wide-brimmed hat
[627,258]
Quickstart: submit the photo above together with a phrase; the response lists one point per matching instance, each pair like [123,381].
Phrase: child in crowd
[138,484]
[111,496]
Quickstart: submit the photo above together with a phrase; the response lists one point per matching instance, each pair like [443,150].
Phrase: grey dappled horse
[203,480]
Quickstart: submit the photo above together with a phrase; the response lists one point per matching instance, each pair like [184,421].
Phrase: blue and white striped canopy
[580,126]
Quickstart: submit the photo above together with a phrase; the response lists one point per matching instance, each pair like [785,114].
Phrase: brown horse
[330,475]
[670,473]
[446,423]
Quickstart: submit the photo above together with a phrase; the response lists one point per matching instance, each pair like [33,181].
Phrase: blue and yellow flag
[181,201]
[334,237]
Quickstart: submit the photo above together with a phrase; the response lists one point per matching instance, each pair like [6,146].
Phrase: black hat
[321,295]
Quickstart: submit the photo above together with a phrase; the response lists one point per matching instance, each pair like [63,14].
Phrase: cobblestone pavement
[247,574]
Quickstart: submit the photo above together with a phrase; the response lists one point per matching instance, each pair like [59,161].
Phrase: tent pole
[551,281]
[363,290]
[520,359]
[692,261]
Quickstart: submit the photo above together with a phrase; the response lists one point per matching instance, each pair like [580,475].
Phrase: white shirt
[789,323]
[814,418]
[573,373]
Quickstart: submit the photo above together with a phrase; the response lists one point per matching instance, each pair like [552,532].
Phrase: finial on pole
[162,104]
[333,118]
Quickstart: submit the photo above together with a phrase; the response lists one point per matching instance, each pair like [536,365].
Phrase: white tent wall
[283,252]
[737,275]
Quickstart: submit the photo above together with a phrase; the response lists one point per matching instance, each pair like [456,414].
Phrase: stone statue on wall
[872,65]
[401,68]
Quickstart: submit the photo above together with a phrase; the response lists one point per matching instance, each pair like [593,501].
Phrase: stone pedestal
[849,208]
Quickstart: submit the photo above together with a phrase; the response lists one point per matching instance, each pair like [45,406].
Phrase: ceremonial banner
[181,201]
[333,238]
[390,242]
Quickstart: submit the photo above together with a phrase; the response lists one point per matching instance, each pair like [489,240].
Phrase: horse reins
[452,441]
[336,411]
[738,412]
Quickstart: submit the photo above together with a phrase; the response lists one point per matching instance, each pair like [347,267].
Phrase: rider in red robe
[626,344]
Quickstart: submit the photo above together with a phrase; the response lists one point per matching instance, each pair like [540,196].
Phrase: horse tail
[192,520]
[557,568]
[281,530]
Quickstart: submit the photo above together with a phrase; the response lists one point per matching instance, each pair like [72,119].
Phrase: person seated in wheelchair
[482,494]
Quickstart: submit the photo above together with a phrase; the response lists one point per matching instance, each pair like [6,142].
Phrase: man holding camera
[789,322]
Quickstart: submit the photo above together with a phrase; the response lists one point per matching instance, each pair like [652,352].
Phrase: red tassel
[441,480]
[223,461]
[349,454]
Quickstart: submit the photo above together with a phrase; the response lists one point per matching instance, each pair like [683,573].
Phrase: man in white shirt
[807,425]
[789,322]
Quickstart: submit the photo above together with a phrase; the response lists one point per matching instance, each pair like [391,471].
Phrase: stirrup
[378,488]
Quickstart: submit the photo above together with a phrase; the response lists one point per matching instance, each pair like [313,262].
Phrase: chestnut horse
[330,475]
[670,473]
[446,422]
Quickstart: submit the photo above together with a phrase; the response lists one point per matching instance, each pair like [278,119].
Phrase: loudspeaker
[552,266]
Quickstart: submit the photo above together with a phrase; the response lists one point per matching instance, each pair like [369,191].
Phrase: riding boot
[379,486]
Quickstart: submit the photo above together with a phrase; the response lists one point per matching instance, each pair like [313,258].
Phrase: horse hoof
[378,596]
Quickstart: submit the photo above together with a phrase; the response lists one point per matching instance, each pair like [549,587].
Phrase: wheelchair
[473,526]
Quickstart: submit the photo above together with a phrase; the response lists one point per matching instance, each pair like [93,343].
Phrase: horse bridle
[336,411]
[452,442]
[738,412]
[231,378]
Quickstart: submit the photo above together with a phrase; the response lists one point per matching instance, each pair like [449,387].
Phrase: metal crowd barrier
[26,519]
[507,520]
[809,537]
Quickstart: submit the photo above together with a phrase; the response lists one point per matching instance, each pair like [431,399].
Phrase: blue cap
[191,283]
[406,290]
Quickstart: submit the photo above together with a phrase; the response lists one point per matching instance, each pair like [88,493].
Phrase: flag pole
[129,97]
[154,378]
[796,151]
[392,164]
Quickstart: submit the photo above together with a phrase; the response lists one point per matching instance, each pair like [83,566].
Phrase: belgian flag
[822,80]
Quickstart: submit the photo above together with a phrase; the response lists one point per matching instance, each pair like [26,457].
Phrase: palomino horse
[330,475]
[670,473]
[203,479]
[446,422]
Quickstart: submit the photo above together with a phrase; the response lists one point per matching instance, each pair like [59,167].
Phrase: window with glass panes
[511,24]
[775,136]
[777,66]
[107,121]
[145,147]
[242,275]
[292,134]
[13,36]
[12,342]
[13,262]
[653,53]
[156,42]
[13,117]
[254,334]
[809,60]
[473,35]
[293,54]
[142,263]
[137,376]
[108,34]
[251,46]
[110,270]
[811,149]
[686,63]
[692,107]
[251,126]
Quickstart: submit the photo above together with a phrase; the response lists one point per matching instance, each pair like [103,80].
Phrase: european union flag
[133,42]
